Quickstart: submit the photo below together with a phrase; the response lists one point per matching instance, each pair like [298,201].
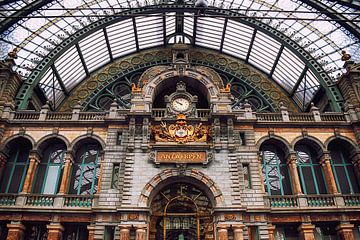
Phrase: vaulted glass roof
[320,28]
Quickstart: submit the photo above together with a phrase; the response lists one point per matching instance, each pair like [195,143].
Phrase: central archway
[181,211]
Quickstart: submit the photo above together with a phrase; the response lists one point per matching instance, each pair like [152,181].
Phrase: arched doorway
[181,211]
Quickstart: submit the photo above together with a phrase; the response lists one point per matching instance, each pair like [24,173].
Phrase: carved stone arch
[343,138]
[87,136]
[52,136]
[208,185]
[311,141]
[207,77]
[280,139]
[13,137]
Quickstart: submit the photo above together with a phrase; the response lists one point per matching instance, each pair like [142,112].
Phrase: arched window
[16,167]
[310,170]
[85,172]
[343,169]
[49,171]
[275,171]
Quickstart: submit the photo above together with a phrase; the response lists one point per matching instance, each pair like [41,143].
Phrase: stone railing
[320,200]
[40,200]
[200,113]
[269,117]
[48,201]
[312,201]
[7,199]
[283,201]
[78,201]
[117,114]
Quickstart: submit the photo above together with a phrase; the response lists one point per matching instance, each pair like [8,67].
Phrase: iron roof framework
[63,42]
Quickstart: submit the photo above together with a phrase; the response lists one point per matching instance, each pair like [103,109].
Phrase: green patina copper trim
[91,87]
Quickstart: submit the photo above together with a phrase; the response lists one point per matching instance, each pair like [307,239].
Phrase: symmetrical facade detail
[180,142]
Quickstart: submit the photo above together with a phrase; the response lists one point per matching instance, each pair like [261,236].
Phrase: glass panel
[51,180]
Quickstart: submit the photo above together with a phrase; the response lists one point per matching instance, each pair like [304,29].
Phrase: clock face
[180,104]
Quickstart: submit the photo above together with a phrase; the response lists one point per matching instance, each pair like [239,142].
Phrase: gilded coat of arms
[180,132]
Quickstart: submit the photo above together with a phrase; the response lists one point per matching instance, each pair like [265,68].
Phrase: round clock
[180,104]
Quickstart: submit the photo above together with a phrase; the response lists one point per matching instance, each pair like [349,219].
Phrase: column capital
[291,158]
[345,226]
[34,156]
[238,226]
[124,227]
[325,157]
[55,227]
[306,228]
[16,226]
[69,156]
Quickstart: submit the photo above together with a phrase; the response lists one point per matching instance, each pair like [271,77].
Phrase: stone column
[124,232]
[329,175]
[30,174]
[223,232]
[271,229]
[295,180]
[345,231]
[238,231]
[306,231]
[140,232]
[15,231]
[55,231]
[66,173]
[91,230]
[3,160]
[102,154]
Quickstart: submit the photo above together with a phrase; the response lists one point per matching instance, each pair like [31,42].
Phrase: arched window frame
[312,164]
[13,164]
[83,165]
[345,165]
[278,165]
[49,164]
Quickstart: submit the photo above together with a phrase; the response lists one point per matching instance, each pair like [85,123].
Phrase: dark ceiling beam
[223,35]
[328,11]
[82,59]
[108,45]
[135,34]
[194,30]
[276,60]
[250,46]
[164,29]
[297,84]
[58,78]
[349,3]
[8,22]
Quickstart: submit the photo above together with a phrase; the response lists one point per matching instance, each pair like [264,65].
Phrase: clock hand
[179,103]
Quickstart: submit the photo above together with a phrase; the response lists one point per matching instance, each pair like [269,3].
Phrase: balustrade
[269,117]
[333,117]
[320,200]
[26,115]
[283,201]
[301,117]
[78,201]
[352,200]
[91,116]
[40,200]
[58,116]
[7,199]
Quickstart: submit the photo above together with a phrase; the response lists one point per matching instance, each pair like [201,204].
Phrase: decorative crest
[180,132]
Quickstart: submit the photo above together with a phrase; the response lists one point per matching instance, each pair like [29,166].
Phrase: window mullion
[280,179]
[314,178]
[12,171]
[302,179]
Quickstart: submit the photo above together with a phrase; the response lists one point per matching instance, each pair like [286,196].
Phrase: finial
[345,56]
[135,88]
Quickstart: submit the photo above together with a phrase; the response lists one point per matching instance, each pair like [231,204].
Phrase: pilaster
[306,231]
[34,160]
[329,175]
[140,233]
[55,231]
[222,231]
[345,231]
[15,231]
[295,180]
[68,162]
[238,231]
[271,229]
[91,232]
[124,232]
